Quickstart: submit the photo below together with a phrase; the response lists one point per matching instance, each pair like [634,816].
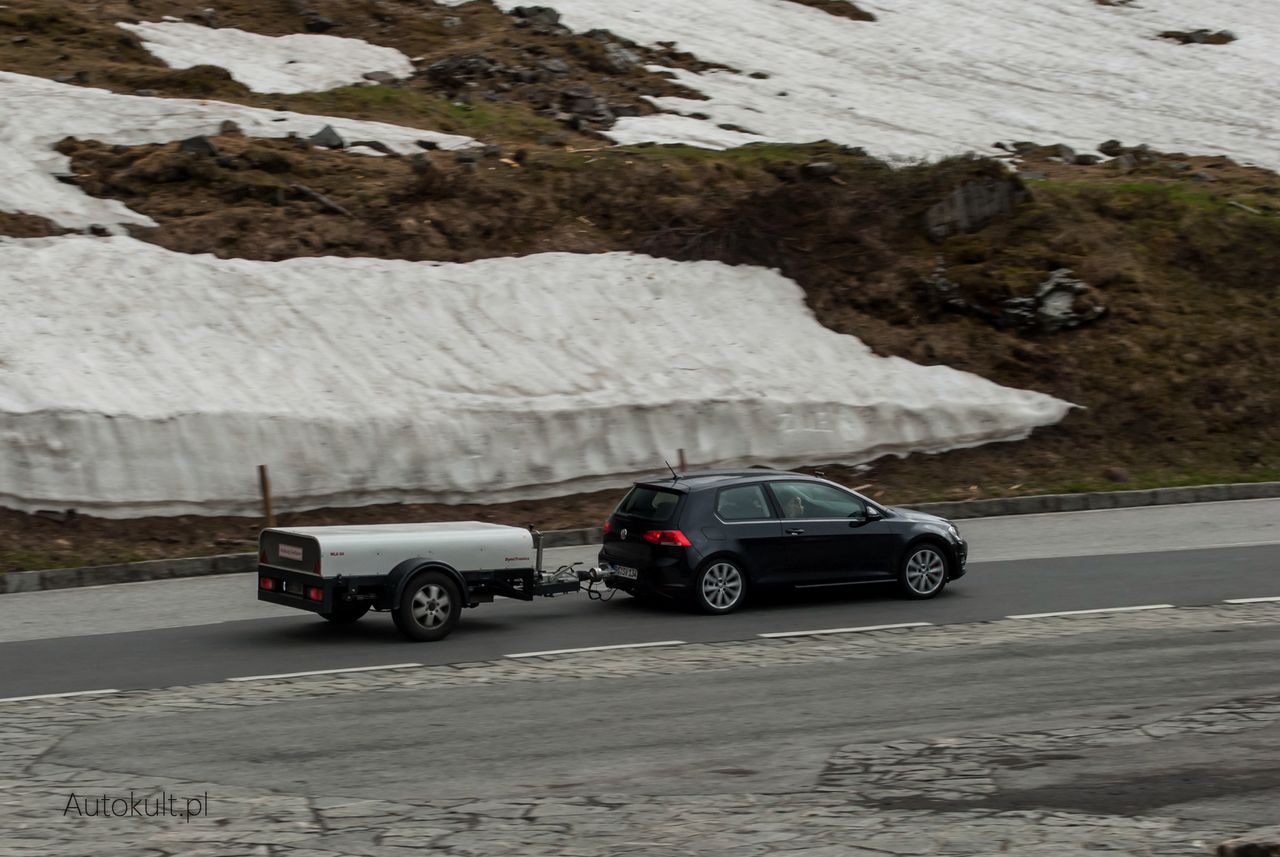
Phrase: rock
[458,70]
[1199,37]
[19,40]
[1086,160]
[1204,177]
[541,16]
[319,24]
[758,75]
[819,169]
[554,65]
[618,59]
[201,145]
[383,77]
[974,205]
[1264,843]
[1067,154]
[99,230]
[327,138]
[469,156]
[451,23]
[1111,148]
[147,93]
[229,127]
[429,145]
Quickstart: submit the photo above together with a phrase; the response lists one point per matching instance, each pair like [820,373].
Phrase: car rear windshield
[648,504]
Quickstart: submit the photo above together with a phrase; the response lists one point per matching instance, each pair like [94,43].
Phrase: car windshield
[648,504]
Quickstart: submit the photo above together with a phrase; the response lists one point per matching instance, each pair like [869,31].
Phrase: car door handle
[794,532]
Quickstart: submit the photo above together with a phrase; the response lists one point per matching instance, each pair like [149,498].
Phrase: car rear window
[648,504]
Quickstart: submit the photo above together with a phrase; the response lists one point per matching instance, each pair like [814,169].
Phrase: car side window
[812,500]
[743,503]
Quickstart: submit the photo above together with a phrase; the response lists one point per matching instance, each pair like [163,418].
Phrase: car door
[752,530]
[830,536]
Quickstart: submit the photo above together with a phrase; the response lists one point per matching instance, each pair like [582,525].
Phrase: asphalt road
[159,634]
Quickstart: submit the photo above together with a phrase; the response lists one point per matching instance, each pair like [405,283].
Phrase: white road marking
[597,649]
[59,695]
[776,634]
[324,672]
[1252,600]
[1095,610]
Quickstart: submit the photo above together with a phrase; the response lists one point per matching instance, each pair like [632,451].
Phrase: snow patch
[38,113]
[934,79]
[294,63]
[138,381]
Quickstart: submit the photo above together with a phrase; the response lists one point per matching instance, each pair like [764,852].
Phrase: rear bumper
[669,577]
[295,588]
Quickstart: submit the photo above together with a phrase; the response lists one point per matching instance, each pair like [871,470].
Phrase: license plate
[624,571]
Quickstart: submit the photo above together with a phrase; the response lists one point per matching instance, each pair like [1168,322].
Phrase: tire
[346,612]
[429,608]
[719,587]
[924,571]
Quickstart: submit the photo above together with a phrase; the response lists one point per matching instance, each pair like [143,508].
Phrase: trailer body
[423,574]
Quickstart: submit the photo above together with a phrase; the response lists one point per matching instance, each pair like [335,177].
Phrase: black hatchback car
[714,537]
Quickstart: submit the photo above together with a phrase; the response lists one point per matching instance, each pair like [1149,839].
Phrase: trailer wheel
[430,607]
[346,612]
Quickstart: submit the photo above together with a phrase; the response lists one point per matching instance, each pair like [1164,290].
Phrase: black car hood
[913,515]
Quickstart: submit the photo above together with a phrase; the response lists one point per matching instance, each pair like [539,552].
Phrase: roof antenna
[674,476]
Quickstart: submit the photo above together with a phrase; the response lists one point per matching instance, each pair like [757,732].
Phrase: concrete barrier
[163,569]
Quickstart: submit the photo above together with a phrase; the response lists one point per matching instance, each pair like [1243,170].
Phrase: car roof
[701,479]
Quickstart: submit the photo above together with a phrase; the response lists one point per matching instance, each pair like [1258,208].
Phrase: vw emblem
[623,534]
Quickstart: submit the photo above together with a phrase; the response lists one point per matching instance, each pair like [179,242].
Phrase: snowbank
[296,63]
[136,381]
[38,113]
[936,78]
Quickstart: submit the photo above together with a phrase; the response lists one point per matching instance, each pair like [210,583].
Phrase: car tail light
[608,528]
[667,537]
[315,593]
[266,583]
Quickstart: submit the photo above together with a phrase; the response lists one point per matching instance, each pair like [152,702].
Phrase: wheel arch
[399,577]
[729,556]
[948,551]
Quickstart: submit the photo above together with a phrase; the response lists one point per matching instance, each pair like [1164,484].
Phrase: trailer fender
[398,578]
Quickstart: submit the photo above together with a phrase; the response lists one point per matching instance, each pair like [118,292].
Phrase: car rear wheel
[346,612]
[430,607]
[924,571]
[720,587]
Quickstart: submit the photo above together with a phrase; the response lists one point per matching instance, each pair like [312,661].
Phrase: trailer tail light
[315,593]
[266,583]
[675,538]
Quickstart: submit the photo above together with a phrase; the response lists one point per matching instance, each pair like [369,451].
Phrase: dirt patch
[501,78]
[28,226]
[839,8]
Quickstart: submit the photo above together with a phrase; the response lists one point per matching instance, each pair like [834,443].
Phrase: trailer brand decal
[290,552]
[516,559]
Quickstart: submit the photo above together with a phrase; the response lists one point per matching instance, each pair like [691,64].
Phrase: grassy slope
[1178,382]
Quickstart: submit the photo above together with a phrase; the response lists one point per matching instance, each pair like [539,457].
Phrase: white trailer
[422,574]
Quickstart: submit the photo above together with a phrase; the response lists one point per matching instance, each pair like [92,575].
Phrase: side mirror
[873,514]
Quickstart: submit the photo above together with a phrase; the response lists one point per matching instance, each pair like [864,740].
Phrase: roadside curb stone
[243,563]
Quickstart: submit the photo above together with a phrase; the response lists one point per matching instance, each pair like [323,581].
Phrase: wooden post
[684,465]
[264,480]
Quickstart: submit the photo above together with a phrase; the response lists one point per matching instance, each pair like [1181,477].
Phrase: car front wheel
[924,572]
[720,587]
